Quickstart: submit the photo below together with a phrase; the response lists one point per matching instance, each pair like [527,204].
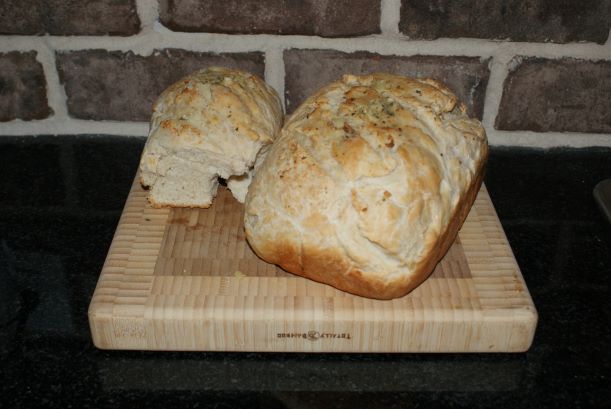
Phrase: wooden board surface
[186,279]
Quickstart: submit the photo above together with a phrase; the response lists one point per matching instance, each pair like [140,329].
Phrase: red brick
[336,18]
[23,88]
[122,86]
[309,70]
[558,21]
[557,95]
[69,17]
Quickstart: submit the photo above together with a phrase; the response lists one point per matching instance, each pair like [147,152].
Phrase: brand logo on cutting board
[314,335]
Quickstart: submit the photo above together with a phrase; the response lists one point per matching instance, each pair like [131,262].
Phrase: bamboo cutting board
[186,279]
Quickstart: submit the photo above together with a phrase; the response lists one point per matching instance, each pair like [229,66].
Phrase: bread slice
[212,123]
[368,184]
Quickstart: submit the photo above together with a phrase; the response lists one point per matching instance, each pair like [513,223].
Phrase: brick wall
[537,72]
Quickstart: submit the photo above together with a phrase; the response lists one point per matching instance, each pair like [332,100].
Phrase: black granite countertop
[60,201]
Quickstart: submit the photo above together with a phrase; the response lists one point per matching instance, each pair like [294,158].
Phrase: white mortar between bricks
[390,16]
[274,71]
[155,36]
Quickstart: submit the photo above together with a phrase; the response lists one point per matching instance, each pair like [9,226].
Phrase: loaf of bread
[368,184]
[213,123]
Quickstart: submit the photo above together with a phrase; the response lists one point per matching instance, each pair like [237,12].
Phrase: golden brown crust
[367,185]
[445,241]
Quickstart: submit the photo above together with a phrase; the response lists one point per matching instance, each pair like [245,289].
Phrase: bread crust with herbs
[368,184]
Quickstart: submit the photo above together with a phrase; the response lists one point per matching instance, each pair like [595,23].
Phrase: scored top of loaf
[369,175]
